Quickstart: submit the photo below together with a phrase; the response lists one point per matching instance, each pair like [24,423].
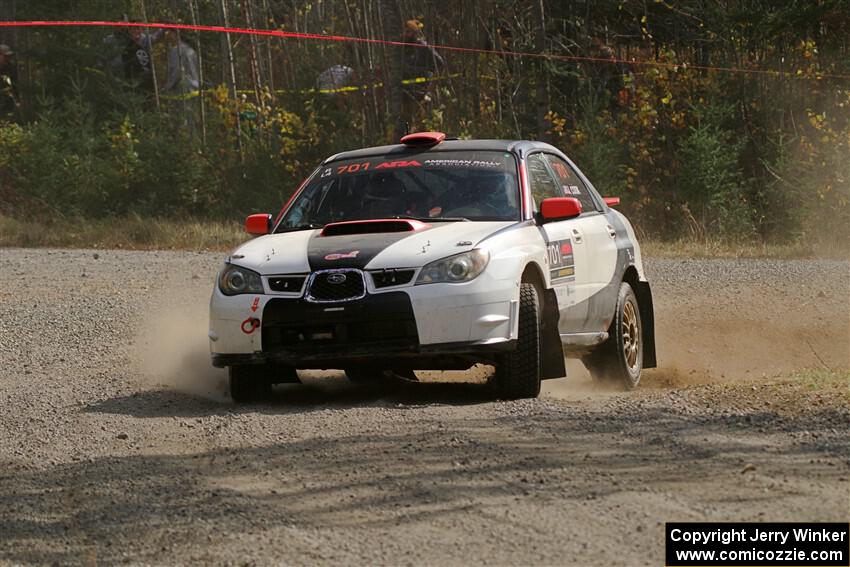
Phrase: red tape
[321,37]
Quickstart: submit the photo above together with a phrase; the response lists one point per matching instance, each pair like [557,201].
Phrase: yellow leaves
[809,48]
[578,137]
[220,95]
[558,122]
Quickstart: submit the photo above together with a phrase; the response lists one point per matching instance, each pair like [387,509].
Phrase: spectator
[420,62]
[334,78]
[182,66]
[136,58]
[8,82]
[331,80]
[608,75]
[183,81]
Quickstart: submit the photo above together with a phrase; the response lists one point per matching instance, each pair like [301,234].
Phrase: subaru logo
[336,278]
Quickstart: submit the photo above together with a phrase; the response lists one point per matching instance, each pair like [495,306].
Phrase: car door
[565,243]
[595,286]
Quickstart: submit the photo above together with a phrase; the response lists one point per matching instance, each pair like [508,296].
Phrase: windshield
[434,186]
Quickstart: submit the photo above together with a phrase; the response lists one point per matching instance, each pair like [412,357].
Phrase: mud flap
[647,319]
[551,349]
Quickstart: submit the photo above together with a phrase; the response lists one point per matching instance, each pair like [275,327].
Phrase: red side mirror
[560,208]
[612,201]
[258,224]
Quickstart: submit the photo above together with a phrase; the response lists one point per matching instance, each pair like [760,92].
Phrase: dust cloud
[722,334]
[173,350]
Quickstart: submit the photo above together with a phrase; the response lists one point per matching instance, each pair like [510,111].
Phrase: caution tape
[347,89]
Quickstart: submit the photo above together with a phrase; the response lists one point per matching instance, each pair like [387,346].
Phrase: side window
[571,183]
[542,184]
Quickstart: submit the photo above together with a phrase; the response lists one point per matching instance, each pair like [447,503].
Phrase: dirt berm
[118,447]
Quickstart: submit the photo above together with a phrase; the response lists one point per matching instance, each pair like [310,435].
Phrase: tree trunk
[153,65]
[255,62]
[392,24]
[232,64]
[542,79]
[192,9]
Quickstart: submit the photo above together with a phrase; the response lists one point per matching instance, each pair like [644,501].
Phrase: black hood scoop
[377,226]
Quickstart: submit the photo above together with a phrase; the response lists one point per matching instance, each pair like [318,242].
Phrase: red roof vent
[423,139]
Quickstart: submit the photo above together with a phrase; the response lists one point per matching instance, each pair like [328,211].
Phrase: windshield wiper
[431,219]
[307,226]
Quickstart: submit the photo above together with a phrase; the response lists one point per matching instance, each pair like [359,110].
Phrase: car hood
[307,250]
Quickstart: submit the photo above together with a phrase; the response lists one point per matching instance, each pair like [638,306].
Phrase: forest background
[714,120]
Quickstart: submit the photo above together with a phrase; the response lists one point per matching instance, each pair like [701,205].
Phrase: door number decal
[561,262]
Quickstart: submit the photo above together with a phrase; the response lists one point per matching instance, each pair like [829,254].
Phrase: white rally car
[436,254]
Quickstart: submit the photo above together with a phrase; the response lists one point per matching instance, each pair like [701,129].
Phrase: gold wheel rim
[631,335]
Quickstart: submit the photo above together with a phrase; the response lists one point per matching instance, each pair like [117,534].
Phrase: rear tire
[249,382]
[619,361]
[518,373]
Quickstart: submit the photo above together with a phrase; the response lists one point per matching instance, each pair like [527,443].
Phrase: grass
[131,232]
[718,249]
[137,233]
[818,378]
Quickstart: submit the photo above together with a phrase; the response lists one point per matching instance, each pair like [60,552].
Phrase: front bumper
[435,326]
[447,356]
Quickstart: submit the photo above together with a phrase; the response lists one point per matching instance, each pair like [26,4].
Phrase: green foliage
[693,152]
[711,186]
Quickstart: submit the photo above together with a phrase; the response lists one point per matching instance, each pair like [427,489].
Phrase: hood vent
[372,227]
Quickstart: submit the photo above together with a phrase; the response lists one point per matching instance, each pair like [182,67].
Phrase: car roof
[515,146]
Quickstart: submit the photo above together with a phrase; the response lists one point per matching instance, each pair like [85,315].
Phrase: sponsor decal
[342,255]
[255,305]
[250,325]
[353,168]
[364,166]
[486,164]
[561,261]
[396,164]
[575,190]
[561,170]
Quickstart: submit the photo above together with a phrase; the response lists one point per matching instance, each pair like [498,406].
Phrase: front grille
[336,285]
[388,278]
[385,333]
[289,284]
[378,321]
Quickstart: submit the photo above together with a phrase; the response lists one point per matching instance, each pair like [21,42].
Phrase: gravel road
[117,445]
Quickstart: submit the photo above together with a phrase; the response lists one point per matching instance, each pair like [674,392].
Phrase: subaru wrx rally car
[436,254]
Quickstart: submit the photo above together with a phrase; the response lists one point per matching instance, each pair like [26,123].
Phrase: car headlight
[234,280]
[455,269]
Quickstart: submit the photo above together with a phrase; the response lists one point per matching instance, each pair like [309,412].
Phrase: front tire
[249,383]
[518,373]
[619,360]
